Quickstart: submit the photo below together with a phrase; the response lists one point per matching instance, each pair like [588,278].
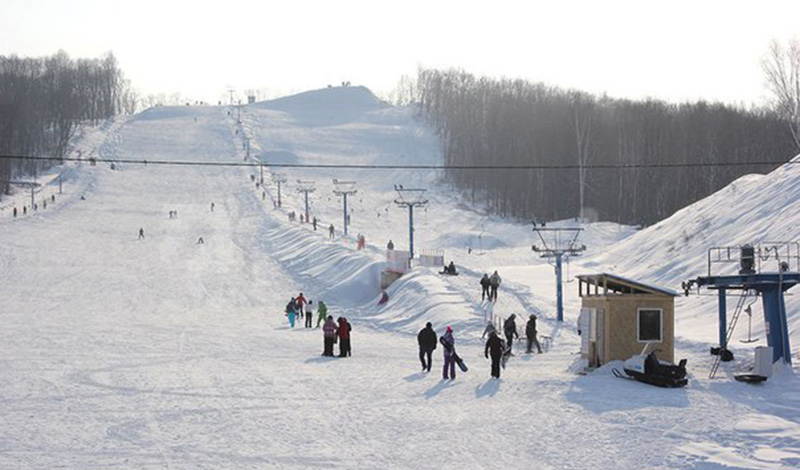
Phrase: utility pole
[305,187]
[562,242]
[410,198]
[344,188]
[278,179]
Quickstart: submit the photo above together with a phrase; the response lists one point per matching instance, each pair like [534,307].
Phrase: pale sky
[673,50]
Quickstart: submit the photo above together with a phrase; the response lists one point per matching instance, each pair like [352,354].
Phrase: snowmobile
[646,367]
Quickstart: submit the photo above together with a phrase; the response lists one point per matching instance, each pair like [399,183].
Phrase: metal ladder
[729,332]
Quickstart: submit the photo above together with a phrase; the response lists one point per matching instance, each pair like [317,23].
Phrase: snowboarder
[427,343]
[485,287]
[449,345]
[530,332]
[314,223]
[141,233]
[494,282]
[390,245]
[330,231]
[300,304]
[322,312]
[490,328]
[494,346]
[291,311]
[344,337]
[510,329]
[329,336]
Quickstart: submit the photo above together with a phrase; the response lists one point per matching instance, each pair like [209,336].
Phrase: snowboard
[460,362]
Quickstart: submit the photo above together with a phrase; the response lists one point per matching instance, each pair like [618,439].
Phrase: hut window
[648,324]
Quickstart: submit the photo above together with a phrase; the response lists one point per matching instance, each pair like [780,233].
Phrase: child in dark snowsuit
[494,346]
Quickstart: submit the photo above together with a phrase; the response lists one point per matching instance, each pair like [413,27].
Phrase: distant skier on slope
[494,346]
[427,344]
[344,337]
[449,345]
[485,282]
[330,231]
[329,336]
[141,233]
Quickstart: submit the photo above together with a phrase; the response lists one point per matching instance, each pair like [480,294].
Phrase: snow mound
[327,106]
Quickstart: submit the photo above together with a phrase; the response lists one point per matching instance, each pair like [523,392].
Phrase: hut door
[599,329]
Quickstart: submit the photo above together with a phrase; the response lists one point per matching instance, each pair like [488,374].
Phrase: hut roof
[620,285]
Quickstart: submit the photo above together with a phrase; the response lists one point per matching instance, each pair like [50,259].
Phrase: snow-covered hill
[166,352]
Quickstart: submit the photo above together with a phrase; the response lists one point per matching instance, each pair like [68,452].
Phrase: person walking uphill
[427,343]
[494,282]
[300,305]
[449,344]
[344,337]
[329,336]
[510,329]
[291,311]
[485,287]
[494,346]
[530,332]
[322,312]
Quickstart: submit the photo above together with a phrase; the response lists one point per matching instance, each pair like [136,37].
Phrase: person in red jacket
[300,302]
[344,337]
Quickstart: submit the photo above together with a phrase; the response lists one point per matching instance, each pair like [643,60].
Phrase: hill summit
[327,106]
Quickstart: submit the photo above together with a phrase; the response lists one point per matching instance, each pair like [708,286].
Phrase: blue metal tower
[562,242]
[770,285]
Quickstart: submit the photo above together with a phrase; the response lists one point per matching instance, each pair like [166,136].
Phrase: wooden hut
[620,316]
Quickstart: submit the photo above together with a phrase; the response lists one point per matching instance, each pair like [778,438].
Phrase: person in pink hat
[449,346]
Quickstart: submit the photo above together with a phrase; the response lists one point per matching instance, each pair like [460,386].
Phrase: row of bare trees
[613,147]
[42,100]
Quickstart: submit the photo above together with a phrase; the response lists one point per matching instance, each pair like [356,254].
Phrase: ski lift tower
[563,242]
[305,187]
[278,178]
[344,188]
[768,269]
[410,198]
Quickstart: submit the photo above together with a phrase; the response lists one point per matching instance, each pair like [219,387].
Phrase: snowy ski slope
[165,353]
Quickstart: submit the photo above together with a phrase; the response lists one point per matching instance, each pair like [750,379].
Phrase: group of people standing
[336,331]
[489,286]
[299,307]
[496,348]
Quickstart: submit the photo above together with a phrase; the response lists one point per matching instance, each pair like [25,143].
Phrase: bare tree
[782,70]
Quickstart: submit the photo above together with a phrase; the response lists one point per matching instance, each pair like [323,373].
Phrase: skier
[485,287]
[494,346]
[510,329]
[449,344]
[530,332]
[322,312]
[329,336]
[300,303]
[427,343]
[344,337]
[494,282]
[141,233]
[490,328]
[291,311]
[330,231]
[390,245]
